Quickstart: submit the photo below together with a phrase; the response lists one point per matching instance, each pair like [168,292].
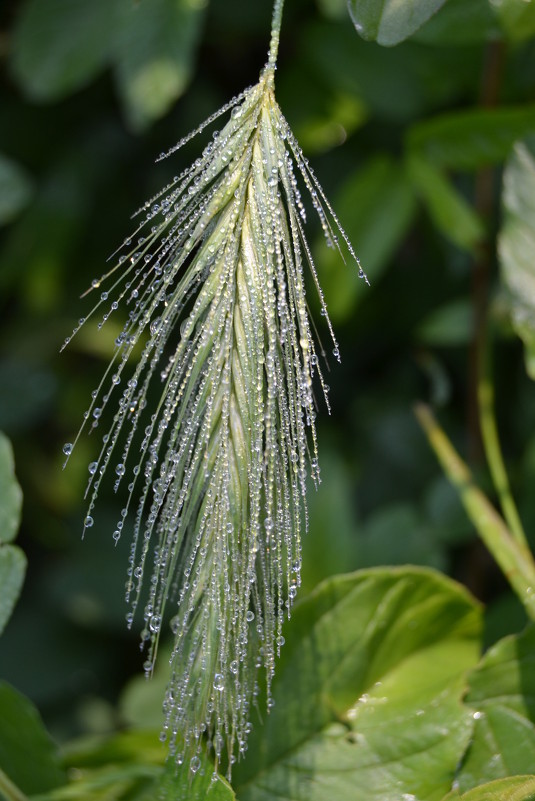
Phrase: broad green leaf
[155,53]
[460,22]
[514,788]
[448,209]
[376,206]
[27,754]
[502,696]
[12,572]
[468,140]
[516,244]
[15,189]
[451,324]
[10,493]
[517,17]
[60,45]
[367,692]
[389,22]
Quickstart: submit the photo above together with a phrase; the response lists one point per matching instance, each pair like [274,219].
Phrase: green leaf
[515,788]
[15,189]
[516,244]
[367,692]
[12,559]
[200,787]
[389,22]
[156,46]
[27,754]
[141,700]
[396,84]
[398,530]
[448,209]
[468,140]
[376,206]
[502,695]
[131,765]
[517,18]
[12,572]
[461,22]
[451,324]
[10,493]
[60,45]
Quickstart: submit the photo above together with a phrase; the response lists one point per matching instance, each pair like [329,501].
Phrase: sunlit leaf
[12,559]
[367,694]
[516,244]
[10,493]
[388,21]
[502,696]
[12,571]
[517,17]
[515,788]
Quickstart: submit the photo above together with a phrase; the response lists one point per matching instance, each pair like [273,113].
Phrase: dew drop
[155,623]
[67,448]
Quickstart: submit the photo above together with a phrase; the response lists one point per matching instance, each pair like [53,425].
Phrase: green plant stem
[493,452]
[275,33]
[515,560]
[484,207]
[9,790]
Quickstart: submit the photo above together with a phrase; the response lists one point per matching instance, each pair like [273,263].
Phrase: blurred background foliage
[409,143]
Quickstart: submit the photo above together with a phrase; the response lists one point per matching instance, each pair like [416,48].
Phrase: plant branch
[493,452]
[275,34]
[9,790]
[484,204]
[515,560]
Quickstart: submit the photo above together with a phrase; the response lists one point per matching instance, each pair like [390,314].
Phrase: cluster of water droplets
[212,428]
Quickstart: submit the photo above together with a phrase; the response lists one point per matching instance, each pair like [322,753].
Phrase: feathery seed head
[214,431]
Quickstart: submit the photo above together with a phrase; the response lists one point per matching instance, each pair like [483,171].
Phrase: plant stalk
[275,34]
[515,560]
[9,790]
[493,452]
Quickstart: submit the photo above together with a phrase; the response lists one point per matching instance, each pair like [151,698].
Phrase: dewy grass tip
[213,426]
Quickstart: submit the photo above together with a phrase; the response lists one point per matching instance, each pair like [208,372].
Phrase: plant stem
[275,34]
[9,790]
[484,205]
[493,452]
[515,560]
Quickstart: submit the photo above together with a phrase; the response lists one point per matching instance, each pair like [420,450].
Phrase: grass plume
[213,430]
